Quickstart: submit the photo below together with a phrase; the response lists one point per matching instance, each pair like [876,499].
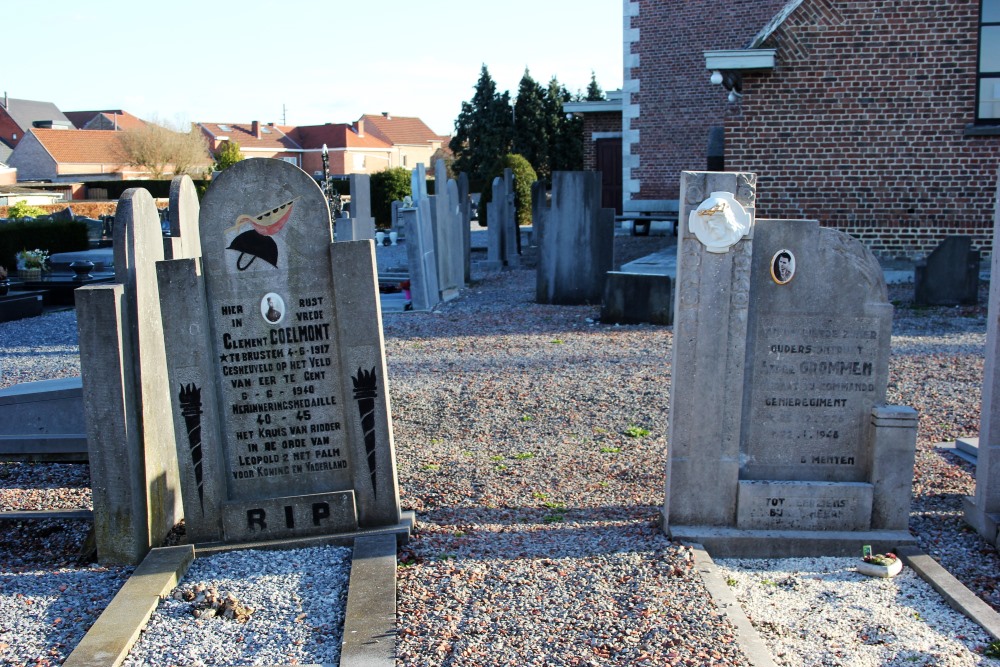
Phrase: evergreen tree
[565,134]
[483,132]
[531,125]
[594,92]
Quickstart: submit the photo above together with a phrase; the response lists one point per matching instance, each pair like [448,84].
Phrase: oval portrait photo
[272,307]
[783,266]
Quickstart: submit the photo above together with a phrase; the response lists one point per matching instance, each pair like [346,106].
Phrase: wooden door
[609,163]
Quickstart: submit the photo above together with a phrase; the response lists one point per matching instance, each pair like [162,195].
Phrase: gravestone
[575,241]
[949,276]
[130,432]
[361,224]
[448,240]
[420,255]
[495,211]
[780,442]
[982,511]
[278,383]
[183,219]
[466,217]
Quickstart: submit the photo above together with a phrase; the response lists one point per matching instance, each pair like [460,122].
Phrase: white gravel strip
[821,611]
[298,597]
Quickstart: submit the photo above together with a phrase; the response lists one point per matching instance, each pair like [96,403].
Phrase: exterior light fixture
[716,77]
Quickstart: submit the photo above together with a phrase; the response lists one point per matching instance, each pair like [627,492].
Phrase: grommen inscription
[814,380]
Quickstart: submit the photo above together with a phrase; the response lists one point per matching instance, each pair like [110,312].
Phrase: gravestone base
[811,506]
[489,265]
[400,530]
[723,542]
[986,524]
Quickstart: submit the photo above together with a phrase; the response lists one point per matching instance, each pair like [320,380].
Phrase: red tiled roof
[336,135]
[112,117]
[399,129]
[82,146]
[271,137]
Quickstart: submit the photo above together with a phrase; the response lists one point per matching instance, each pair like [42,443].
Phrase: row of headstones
[237,381]
[237,370]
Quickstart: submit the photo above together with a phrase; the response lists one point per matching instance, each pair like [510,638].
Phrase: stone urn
[82,269]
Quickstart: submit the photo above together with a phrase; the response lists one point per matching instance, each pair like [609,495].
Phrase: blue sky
[314,62]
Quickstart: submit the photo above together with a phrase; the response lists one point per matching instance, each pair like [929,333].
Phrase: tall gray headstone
[130,431]
[362,222]
[982,511]
[466,218]
[575,241]
[183,217]
[418,183]
[511,230]
[495,228]
[780,442]
[277,367]
[420,255]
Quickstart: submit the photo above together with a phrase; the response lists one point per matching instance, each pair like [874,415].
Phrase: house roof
[79,147]
[337,135]
[111,117]
[400,129]
[271,136]
[26,112]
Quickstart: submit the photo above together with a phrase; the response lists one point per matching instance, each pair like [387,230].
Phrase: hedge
[53,236]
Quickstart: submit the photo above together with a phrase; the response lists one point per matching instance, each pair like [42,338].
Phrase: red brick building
[877,118]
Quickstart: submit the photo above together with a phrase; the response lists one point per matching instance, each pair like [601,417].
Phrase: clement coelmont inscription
[281,391]
[813,380]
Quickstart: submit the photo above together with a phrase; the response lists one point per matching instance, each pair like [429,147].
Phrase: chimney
[361,127]
[255,129]
[5,102]
[385,114]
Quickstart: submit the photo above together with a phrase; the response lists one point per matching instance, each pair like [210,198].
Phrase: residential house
[350,149]
[879,119]
[256,139]
[61,156]
[110,119]
[412,140]
[17,117]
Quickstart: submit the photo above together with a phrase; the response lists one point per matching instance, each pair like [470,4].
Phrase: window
[988,89]
[291,160]
[225,128]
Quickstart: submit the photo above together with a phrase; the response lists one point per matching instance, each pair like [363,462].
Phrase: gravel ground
[531,442]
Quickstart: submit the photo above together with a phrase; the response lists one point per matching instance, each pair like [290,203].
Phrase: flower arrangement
[3,273]
[32,259]
[879,565]
[881,559]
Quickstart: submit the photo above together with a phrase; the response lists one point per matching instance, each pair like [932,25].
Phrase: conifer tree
[531,125]
[483,132]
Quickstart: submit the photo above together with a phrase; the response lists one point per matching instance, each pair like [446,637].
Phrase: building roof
[398,130]
[79,147]
[271,136]
[337,135]
[774,24]
[107,118]
[27,112]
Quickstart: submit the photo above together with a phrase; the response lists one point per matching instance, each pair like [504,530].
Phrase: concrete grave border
[369,621]
[951,590]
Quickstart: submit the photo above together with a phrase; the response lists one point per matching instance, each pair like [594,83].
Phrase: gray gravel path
[531,442]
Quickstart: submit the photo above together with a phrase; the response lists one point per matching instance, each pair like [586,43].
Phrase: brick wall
[674,103]
[861,124]
[602,123]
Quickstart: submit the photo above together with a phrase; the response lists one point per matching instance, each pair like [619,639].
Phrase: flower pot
[885,571]
[29,275]
[393,236]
